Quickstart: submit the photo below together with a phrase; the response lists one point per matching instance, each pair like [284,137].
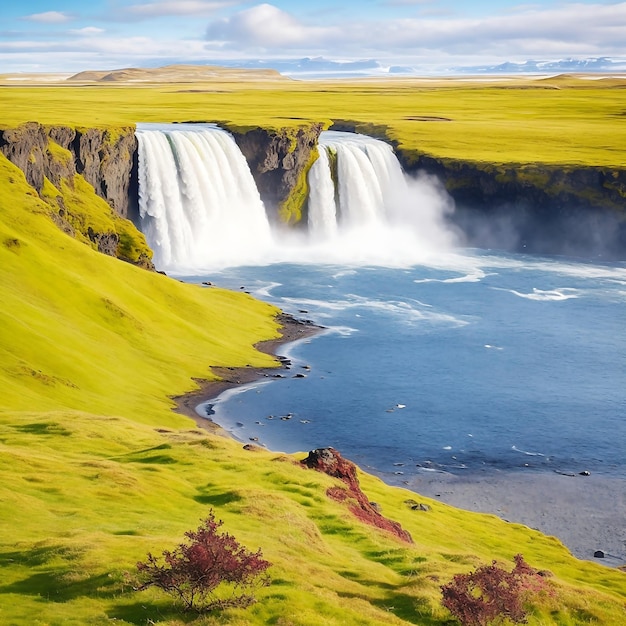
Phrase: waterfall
[369,182]
[198,203]
[322,220]
[200,209]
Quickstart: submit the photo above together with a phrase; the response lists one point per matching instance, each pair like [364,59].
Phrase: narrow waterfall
[368,183]
[198,203]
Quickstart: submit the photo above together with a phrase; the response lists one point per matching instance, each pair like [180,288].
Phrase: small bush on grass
[211,571]
[491,592]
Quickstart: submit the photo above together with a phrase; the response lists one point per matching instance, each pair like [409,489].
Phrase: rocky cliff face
[279,161]
[535,207]
[103,157]
[51,158]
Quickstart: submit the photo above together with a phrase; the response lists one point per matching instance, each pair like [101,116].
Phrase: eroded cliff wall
[279,161]
[532,207]
[541,208]
[85,176]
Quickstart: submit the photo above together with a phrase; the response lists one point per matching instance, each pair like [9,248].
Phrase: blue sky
[73,35]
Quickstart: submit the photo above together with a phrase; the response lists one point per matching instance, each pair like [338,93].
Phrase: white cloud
[267,26]
[49,17]
[87,30]
[569,29]
[175,7]
[530,31]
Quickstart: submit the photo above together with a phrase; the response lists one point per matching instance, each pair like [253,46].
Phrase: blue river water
[473,361]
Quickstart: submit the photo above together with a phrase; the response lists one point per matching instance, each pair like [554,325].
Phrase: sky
[74,35]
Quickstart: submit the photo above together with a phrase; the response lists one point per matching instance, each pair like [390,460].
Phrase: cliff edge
[85,177]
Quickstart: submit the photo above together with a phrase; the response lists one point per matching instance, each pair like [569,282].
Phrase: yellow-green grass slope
[563,120]
[96,470]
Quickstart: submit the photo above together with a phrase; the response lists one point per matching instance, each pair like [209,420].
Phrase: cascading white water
[322,207]
[361,198]
[198,203]
[369,178]
[200,209]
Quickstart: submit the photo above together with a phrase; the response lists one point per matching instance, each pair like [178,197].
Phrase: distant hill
[176,74]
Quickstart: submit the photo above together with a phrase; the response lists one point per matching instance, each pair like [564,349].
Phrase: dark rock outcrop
[25,147]
[329,461]
[279,161]
[539,208]
[104,158]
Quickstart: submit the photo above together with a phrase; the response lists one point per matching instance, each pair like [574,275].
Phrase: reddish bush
[491,592]
[213,570]
[330,461]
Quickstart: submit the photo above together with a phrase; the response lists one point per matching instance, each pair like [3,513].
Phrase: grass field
[560,120]
[95,468]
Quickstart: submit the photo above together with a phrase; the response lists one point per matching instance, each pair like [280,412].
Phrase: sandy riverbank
[587,513]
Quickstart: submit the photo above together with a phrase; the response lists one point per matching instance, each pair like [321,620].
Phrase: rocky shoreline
[291,329]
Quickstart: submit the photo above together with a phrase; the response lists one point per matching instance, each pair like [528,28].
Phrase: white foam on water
[549,295]
[525,452]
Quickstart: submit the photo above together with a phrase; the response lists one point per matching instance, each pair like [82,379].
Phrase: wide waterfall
[198,202]
[200,209]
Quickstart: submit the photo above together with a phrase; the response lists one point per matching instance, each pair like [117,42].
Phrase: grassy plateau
[96,470]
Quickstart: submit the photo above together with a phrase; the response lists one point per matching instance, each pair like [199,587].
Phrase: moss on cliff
[279,160]
[51,156]
[293,209]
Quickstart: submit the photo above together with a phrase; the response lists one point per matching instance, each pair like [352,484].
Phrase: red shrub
[213,570]
[490,592]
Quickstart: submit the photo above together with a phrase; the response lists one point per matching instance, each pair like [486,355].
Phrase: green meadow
[97,470]
[564,120]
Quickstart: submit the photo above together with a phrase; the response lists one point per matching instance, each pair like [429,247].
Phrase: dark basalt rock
[106,162]
[104,158]
[538,208]
[279,161]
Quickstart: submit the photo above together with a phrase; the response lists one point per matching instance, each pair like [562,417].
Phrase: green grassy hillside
[96,470]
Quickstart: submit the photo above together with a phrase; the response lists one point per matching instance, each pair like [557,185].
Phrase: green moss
[58,153]
[292,210]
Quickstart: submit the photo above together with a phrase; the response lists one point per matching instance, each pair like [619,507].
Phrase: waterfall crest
[198,203]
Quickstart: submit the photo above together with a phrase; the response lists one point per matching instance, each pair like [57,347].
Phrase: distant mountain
[601,64]
[307,67]
[320,67]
